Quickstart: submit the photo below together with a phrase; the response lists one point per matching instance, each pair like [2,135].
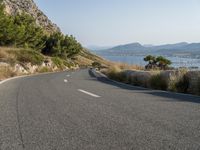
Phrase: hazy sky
[113,22]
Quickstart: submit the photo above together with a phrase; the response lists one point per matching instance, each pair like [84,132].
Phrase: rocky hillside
[13,7]
[25,48]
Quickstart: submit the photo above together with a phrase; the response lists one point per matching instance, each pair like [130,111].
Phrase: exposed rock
[19,69]
[3,64]
[14,7]
[172,77]
[31,68]
[140,77]
[47,63]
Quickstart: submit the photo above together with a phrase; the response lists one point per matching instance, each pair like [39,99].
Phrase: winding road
[82,111]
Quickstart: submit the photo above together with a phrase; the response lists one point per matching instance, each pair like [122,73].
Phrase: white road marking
[24,76]
[68,75]
[65,80]
[1,82]
[88,93]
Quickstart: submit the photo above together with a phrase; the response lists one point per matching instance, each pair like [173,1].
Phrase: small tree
[162,62]
[152,63]
[157,62]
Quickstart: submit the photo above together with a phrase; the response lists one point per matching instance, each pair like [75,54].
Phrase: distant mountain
[148,45]
[170,46]
[96,48]
[182,48]
[128,47]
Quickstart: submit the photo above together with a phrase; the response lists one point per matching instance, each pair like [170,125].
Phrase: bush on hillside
[44,69]
[62,63]
[62,46]
[57,61]
[22,31]
[29,56]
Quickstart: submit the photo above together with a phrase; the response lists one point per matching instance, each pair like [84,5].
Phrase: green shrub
[44,69]
[61,63]
[68,63]
[63,46]
[29,56]
[58,62]
[157,62]
[21,30]
[158,82]
[183,84]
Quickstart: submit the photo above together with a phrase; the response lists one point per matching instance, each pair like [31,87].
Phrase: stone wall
[194,77]
[142,78]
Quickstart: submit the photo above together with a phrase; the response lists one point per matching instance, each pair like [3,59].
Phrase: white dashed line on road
[65,80]
[88,93]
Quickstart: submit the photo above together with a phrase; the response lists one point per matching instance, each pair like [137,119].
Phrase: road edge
[24,76]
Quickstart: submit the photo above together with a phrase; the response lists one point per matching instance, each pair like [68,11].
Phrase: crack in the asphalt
[18,118]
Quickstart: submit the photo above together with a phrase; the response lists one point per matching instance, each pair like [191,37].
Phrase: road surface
[77,111]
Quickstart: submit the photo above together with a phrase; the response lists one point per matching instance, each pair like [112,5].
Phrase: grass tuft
[29,56]
[6,72]
[44,69]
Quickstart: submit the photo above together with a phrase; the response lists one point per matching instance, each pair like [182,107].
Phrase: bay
[177,62]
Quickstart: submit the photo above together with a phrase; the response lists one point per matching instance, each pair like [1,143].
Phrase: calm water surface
[138,60]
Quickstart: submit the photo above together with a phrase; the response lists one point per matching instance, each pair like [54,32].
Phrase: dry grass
[6,72]
[44,69]
[3,54]
[115,68]
[83,61]
[124,66]
[6,55]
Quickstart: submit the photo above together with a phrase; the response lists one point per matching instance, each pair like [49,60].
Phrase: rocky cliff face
[13,7]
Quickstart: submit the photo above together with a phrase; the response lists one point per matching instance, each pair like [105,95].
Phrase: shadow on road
[172,97]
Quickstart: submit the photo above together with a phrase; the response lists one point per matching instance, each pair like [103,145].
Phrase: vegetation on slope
[21,30]
[23,42]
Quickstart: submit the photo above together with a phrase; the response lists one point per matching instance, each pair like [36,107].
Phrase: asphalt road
[77,111]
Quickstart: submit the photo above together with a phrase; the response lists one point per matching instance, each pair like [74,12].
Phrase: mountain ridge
[169,49]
